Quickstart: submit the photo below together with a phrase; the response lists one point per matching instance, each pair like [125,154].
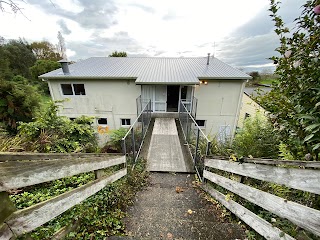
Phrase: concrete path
[165,153]
[171,208]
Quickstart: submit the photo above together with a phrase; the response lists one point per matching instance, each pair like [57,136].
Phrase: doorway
[172,98]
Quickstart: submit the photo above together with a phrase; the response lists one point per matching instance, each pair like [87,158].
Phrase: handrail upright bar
[199,132]
[135,121]
[196,124]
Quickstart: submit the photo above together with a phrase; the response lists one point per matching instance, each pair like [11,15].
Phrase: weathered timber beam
[10,156]
[26,220]
[305,217]
[309,164]
[302,179]
[260,225]
[5,232]
[21,174]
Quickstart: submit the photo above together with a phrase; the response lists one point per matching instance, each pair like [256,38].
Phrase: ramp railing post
[133,144]
[187,129]
[197,146]
[142,124]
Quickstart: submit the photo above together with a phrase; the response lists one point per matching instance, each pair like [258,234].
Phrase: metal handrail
[147,110]
[194,121]
[189,126]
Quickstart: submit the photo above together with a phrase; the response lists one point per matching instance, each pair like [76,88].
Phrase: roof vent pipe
[208,59]
[65,67]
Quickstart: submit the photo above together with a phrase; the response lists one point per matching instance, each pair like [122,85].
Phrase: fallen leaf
[179,189]
[169,236]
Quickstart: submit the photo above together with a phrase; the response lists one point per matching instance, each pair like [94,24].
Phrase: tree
[18,56]
[255,76]
[14,7]
[295,100]
[41,67]
[45,51]
[256,138]
[18,102]
[118,54]
[61,47]
[5,71]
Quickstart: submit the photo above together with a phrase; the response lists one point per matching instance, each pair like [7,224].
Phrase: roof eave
[224,78]
[65,77]
[168,83]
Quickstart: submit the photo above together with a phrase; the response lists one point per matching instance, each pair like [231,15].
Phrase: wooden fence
[22,170]
[274,171]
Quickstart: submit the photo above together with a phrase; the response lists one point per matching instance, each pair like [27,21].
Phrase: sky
[239,33]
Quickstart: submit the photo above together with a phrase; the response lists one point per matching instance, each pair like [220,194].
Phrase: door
[160,98]
[186,96]
[172,98]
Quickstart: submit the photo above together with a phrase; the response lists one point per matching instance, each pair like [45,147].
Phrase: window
[102,121]
[246,115]
[224,134]
[79,89]
[66,89]
[73,89]
[125,121]
[201,123]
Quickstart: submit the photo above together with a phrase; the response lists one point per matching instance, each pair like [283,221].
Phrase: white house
[107,88]
[249,107]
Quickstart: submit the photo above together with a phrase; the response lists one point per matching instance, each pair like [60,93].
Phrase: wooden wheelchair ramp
[165,152]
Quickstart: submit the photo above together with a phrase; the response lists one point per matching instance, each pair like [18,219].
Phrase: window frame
[72,88]
[126,124]
[102,124]
[204,121]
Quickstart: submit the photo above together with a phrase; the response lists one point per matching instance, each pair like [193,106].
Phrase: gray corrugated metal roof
[253,91]
[148,70]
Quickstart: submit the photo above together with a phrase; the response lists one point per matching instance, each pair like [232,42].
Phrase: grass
[268,81]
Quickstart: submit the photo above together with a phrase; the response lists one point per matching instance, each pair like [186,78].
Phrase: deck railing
[22,170]
[272,171]
[133,140]
[197,141]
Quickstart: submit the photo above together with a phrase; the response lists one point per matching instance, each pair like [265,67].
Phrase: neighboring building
[249,107]
[107,88]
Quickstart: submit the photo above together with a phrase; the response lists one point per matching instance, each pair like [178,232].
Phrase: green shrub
[116,138]
[18,102]
[256,138]
[52,133]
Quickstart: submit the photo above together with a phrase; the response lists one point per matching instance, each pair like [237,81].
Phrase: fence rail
[198,143]
[17,174]
[133,140]
[303,179]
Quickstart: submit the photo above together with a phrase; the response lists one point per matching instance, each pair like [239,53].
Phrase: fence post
[6,207]
[133,144]
[124,150]
[208,148]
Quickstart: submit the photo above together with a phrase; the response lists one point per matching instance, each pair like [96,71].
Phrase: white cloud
[239,31]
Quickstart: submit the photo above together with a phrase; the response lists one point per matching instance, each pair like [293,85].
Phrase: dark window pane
[201,123]
[184,91]
[102,121]
[126,121]
[79,89]
[66,89]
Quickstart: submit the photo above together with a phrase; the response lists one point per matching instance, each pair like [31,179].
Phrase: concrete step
[159,212]
[176,228]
